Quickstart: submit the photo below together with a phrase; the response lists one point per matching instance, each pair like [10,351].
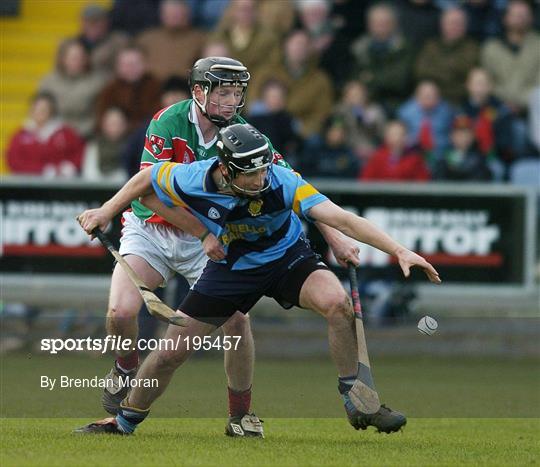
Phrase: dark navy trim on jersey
[239,248]
[209,183]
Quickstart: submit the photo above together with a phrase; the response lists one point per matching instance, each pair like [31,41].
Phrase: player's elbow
[144,181]
[330,214]
[150,200]
[146,200]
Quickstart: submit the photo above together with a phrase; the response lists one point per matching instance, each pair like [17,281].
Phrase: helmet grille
[234,140]
[255,133]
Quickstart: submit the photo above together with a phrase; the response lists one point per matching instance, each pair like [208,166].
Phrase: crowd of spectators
[409,90]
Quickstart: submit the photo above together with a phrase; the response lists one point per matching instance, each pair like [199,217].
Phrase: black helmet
[218,71]
[243,149]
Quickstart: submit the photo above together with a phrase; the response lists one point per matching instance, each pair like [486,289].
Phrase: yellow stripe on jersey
[302,192]
[178,202]
[161,172]
[164,180]
[167,175]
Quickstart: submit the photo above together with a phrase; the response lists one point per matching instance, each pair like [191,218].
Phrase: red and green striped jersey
[174,135]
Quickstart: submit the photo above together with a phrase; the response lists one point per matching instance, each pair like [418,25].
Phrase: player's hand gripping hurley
[155,306]
[363,394]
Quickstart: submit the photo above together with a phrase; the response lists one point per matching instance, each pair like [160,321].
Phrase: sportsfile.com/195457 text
[116,343]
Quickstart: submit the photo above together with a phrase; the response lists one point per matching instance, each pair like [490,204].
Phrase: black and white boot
[245,426]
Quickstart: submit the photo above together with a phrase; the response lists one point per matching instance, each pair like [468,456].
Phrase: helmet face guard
[243,150]
[213,73]
[235,170]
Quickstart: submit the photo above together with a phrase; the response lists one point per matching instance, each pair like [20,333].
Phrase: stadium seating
[28,50]
[526,172]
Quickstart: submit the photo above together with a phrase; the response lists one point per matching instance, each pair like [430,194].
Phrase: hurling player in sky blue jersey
[253,231]
[253,208]
[157,250]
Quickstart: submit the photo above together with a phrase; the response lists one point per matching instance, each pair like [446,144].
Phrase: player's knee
[339,308]
[121,318]
[121,312]
[237,325]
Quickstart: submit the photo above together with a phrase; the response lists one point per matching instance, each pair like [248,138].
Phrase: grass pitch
[462,411]
[421,387]
[289,442]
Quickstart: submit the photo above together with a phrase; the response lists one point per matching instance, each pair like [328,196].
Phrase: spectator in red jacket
[394,161]
[45,145]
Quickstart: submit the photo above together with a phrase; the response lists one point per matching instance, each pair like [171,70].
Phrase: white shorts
[167,250]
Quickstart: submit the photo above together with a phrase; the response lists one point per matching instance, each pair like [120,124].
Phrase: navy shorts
[220,292]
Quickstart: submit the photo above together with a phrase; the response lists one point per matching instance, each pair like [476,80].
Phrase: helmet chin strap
[243,193]
[217,120]
[238,191]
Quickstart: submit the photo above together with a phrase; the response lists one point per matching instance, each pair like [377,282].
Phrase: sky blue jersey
[252,231]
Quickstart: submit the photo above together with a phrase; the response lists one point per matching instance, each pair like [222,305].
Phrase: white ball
[427,325]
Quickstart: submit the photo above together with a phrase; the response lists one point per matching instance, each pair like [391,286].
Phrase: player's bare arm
[364,231]
[140,186]
[344,248]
